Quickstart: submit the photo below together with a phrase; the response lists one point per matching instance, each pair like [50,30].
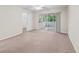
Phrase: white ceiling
[46,7]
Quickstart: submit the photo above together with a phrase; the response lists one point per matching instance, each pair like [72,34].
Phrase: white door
[27,21]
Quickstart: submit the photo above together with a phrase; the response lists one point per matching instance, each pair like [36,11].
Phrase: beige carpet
[36,42]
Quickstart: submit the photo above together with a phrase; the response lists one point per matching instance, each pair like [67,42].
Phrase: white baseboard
[10,36]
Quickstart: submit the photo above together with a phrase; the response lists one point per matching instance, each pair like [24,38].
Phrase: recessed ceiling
[45,7]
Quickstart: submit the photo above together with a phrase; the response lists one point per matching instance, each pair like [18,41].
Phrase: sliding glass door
[47,22]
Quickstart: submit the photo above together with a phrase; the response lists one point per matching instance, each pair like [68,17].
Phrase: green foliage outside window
[48,18]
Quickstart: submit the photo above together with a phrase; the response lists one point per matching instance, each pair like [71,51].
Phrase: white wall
[36,21]
[27,18]
[11,22]
[74,25]
[64,21]
[36,16]
[57,22]
[29,21]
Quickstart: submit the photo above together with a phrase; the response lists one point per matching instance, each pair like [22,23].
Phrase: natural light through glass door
[47,22]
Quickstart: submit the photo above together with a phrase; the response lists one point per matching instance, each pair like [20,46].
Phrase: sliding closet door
[29,22]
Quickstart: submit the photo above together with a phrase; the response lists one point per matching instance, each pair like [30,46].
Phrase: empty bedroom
[39,28]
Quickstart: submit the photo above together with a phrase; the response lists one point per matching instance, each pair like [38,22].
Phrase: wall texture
[10,21]
[64,21]
[74,25]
